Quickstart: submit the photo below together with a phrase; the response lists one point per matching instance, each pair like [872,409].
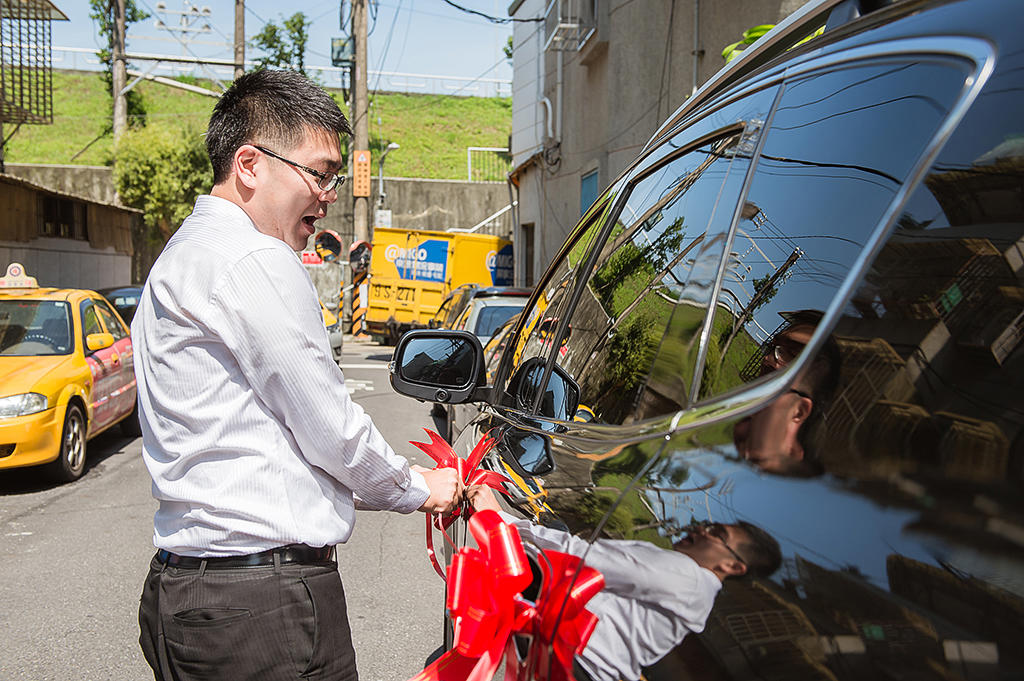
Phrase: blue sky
[426,36]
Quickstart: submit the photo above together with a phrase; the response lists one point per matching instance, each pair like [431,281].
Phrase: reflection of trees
[632,266]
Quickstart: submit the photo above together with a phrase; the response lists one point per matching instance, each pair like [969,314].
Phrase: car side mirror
[98,341]
[561,396]
[439,366]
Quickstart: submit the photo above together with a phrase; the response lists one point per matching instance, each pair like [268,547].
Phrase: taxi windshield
[34,327]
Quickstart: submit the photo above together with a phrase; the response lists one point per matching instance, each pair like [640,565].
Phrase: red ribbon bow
[487,610]
[445,457]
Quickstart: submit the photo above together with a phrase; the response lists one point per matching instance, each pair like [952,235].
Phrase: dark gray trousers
[266,623]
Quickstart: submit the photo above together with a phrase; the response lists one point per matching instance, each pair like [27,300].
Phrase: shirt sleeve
[265,310]
[632,569]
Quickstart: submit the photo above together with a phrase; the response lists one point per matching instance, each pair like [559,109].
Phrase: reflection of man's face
[768,439]
[715,548]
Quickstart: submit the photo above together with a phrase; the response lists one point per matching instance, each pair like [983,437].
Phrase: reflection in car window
[634,308]
[90,322]
[536,338]
[840,146]
[110,320]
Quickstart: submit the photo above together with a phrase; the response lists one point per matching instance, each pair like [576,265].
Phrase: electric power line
[493,19]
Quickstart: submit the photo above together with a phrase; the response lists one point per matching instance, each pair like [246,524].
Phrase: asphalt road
[73,557]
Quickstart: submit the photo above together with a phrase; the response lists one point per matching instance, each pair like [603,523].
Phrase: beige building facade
[592,80]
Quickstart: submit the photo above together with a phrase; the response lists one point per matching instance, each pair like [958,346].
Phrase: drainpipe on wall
[558,110]
[697,52]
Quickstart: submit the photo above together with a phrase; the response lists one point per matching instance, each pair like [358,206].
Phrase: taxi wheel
[71,462]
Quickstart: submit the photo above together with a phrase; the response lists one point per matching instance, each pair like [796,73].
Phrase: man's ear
[730,567]
[244,164]
[801,410]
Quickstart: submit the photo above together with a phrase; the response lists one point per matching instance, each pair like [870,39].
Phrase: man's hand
[480,497]
[445,489]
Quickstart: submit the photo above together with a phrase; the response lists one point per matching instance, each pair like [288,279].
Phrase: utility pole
[360,115]
[120,71]
[239,38]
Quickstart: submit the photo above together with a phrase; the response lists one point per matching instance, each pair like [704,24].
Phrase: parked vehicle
[800,308]
[66,374]
[124,299]
[334,331]
[411,272]
[482,310]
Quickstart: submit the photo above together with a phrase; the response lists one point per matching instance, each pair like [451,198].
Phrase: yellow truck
[411,272]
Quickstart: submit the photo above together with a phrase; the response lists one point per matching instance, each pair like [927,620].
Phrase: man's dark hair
[759,549]
[271,107]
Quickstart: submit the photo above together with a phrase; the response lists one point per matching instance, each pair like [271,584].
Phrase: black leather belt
[292,553]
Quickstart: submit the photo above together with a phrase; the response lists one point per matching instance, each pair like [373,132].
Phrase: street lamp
[380,169]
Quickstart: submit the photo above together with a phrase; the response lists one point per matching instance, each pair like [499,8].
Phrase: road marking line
[355,385]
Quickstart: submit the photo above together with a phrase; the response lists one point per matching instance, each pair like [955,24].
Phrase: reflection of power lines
[761,295]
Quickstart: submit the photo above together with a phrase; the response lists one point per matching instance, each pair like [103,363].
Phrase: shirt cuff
[415,494]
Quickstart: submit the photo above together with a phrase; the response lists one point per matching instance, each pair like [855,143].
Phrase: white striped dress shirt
[249,434]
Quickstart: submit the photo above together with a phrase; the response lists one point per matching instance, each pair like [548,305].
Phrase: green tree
[284,45]
[160,170]
[103,13]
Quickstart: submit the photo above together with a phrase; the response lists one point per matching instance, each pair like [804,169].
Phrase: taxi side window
[839,149]
[110,320]
[90,321]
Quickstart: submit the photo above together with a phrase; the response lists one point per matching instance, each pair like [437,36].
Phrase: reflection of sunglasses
[719,532]
[783,351]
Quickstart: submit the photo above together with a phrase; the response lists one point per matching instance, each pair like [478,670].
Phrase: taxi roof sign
[16,278]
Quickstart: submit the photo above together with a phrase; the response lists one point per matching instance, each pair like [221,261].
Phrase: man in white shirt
[258,454]
[652,597]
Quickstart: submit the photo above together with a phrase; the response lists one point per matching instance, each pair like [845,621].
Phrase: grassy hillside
[433,130]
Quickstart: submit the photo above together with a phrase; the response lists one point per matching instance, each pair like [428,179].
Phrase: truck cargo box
[411,271]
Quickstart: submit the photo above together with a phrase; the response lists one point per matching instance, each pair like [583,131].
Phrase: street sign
[382,219]
[361,173]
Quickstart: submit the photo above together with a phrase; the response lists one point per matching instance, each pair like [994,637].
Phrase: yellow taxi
[66,374]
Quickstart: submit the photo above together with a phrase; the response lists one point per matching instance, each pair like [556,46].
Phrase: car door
[105,366]
[820,418]
[123,357]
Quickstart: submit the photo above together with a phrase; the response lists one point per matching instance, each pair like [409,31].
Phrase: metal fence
[84,59]
[488,164]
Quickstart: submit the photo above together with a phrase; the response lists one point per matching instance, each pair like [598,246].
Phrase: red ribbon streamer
[445,457]
[487,610]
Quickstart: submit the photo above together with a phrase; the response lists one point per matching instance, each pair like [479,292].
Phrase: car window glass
[839,148]
[633,337]
[90,321]
[34,327]
[491,317]
[110,320]
[535,338]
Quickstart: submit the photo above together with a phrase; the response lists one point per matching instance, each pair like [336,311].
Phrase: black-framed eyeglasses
[721,533]
[326,181]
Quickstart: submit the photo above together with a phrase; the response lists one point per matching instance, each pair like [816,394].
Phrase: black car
[124,299]
[795,323]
